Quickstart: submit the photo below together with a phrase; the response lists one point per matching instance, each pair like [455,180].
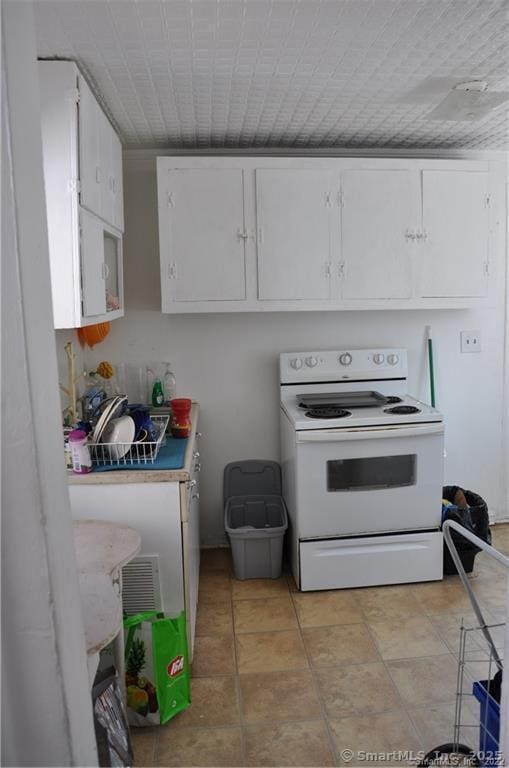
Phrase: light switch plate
[470,341]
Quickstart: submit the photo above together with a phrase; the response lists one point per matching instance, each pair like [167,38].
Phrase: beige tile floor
[282,678]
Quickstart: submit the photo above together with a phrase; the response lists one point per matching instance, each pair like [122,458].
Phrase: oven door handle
[368,433]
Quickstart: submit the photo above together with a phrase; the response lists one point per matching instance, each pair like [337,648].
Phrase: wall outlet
[470,341]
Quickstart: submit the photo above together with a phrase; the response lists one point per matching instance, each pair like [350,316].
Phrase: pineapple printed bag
[157,676]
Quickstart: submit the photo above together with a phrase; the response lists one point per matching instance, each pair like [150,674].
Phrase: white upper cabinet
[294,215]
[84,214]
[202,235]
[455,234]
[379,219]
[260,234]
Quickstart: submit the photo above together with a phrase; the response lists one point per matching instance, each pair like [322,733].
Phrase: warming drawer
[371,560]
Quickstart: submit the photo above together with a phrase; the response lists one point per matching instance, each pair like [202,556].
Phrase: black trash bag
[474,518]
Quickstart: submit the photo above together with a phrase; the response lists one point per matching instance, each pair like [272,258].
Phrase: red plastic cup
[180,420]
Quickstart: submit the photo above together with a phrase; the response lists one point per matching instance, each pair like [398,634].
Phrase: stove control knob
[392,359]
[345,358]
[311,362]
[296,363]
[378,358]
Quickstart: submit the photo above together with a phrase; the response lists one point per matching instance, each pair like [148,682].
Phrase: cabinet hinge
[172,271]
[169,200]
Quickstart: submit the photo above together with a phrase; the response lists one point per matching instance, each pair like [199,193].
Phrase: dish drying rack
[129,454]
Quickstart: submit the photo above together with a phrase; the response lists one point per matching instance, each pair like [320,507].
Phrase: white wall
[46,705]
[229,363]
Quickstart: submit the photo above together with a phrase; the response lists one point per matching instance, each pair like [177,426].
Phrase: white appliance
[362,466]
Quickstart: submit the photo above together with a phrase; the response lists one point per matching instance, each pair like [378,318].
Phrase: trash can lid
[251,477]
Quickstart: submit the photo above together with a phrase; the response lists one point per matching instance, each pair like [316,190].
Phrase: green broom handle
[431,371]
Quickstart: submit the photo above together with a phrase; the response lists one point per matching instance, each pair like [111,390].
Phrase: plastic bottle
[169,385]
[157,394]
[81,460]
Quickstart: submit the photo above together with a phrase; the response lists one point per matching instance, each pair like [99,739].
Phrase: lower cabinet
[164,576]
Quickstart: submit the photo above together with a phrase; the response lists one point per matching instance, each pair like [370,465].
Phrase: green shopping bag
[157,679]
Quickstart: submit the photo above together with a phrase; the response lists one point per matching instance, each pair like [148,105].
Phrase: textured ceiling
[282,73]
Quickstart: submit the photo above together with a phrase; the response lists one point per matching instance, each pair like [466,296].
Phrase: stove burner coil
[403,409]
[393,399]
[327,412]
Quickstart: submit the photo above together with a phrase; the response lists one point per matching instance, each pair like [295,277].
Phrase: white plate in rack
[118,436]
[106,415]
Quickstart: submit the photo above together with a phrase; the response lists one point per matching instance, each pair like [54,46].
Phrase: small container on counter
[80,453]
[180,420]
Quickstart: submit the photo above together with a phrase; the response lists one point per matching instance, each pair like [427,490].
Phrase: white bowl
[118,436]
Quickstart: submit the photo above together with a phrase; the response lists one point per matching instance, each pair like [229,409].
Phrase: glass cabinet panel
[111,271]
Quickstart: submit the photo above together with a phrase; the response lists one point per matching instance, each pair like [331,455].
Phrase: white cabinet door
[105,155]
[379,216]
[455,235]
[101,266]
[116,182]
[92,264]
[294,222]
[201,226]
[89,149]
[152,509]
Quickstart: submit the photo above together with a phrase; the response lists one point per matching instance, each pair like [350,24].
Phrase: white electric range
[362,466]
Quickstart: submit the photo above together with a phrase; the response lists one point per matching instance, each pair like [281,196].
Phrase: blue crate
[490,724]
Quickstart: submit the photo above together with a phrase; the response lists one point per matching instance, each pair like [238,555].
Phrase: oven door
[368,480]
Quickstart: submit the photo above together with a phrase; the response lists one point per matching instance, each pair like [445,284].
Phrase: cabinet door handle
[410,235]
[97,174]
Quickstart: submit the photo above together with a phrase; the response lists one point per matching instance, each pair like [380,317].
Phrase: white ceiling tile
[303,73]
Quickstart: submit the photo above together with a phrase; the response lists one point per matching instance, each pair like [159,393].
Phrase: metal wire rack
[129,454]
[478,734]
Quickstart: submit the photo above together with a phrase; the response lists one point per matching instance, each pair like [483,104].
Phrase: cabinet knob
[196,495]
[196,454]
[197,467]
[198,434]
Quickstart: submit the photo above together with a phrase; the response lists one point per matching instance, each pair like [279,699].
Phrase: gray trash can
[255,518]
